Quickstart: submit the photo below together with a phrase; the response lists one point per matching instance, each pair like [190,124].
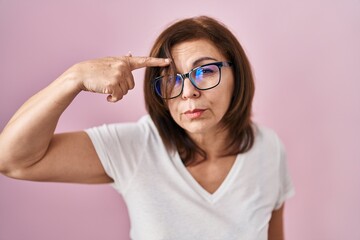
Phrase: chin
[196,128]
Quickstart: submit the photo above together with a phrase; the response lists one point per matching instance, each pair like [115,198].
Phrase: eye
[173,81]
[205,71]
[178,80]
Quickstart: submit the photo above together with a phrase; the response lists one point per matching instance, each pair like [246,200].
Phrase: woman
[195,168]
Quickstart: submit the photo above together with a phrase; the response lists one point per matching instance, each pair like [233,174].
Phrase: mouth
[195,113]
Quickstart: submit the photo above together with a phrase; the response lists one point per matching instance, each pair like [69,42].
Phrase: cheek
[221,106]
[170,106]
[173,109]
[226,87]
[224,99]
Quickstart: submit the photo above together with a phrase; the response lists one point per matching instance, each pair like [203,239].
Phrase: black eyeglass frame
[188,75]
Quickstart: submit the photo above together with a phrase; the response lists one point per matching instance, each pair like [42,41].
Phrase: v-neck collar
[220,191]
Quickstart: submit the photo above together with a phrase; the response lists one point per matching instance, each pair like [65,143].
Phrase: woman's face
[196,111]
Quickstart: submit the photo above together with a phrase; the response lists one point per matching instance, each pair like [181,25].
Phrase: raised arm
[28,147]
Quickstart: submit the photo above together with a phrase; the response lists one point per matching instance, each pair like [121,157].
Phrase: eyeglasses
[203,77]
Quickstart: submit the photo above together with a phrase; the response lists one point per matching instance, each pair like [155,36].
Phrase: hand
[111,75]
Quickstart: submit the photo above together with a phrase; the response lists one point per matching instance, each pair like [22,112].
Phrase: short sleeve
[120,148]
[286,188]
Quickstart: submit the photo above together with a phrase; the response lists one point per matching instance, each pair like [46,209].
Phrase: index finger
[140,62]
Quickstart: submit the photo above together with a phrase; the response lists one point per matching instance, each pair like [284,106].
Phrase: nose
[189,90]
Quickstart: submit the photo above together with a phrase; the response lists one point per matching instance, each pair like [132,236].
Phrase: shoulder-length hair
[237,119]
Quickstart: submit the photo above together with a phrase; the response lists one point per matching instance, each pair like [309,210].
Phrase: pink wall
[305,55]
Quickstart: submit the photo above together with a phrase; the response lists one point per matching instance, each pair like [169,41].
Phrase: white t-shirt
[164,200]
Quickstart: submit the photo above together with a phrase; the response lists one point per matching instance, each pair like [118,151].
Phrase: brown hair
[237,119]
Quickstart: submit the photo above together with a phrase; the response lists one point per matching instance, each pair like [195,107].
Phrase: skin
[71,157]
[276,225]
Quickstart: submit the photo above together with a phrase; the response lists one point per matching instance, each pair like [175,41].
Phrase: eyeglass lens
[204,77]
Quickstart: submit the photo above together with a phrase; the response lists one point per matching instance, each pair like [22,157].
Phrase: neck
[213,143]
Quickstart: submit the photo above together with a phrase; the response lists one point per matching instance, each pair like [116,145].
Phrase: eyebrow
[198,61]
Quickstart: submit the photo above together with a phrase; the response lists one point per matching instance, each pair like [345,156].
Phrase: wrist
[70,81]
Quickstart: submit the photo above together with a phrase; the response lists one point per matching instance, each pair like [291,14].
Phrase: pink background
[306,59]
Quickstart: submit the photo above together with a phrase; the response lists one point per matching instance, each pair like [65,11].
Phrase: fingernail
[168,60]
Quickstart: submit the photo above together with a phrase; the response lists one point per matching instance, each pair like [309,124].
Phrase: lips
[195,113]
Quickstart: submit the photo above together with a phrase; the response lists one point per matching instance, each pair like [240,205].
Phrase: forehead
[195,52]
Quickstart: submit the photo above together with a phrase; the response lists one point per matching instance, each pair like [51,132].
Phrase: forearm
[26,137]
